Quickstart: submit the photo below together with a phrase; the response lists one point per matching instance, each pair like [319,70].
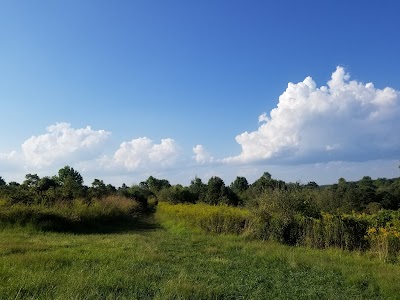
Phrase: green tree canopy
[45,183]
[71,183]
[68,172]
[197,188]
[240,184]
[218,193]
[155,185]
[31,180]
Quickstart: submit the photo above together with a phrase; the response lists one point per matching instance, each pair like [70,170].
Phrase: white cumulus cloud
[144,153]
[61,143]
[345,120]
[201,155]
[8,156]
[10,161]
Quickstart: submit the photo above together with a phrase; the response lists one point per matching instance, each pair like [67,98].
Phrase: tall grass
[216,219]
[359,232]
[75,215]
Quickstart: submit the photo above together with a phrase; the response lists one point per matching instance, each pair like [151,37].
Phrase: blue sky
[155,79]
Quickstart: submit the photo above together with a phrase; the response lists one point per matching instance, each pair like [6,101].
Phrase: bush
[176,194]
[278,215]
[137,193]
[291,217]
[76,215]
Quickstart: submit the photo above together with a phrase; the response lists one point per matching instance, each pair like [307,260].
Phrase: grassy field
[162,259]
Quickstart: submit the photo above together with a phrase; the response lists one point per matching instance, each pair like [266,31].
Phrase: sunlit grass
[214,219]
[172,261]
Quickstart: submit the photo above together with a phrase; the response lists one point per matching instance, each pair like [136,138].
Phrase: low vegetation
[60,239]
[166,260]
[214,219]
[74,216]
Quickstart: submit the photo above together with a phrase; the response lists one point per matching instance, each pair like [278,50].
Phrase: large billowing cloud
[143,153]
[345,120]
[62,143]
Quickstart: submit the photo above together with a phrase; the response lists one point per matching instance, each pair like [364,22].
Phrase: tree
[123,190]
[367,190]
[138,193]
[110,189]
[215,190]
[176,194]
[218,193]
[267,175]
[312,185]
[66,172]
[266,183]
[31,181]
[98,189]
[71,183]
[394,191]
[46,183]
[2,182]
[239,185]
[345,196]
[155,185]
[198,189]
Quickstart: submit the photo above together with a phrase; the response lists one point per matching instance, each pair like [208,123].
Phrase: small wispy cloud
[8,156]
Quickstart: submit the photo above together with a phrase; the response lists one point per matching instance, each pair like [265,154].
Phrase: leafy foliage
[154,185]
[176,194]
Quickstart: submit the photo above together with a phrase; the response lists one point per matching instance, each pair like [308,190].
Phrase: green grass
[170,261]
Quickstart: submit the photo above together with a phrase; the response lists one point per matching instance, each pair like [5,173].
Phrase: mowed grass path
[172,262]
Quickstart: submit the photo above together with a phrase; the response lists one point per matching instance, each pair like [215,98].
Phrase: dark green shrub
[176,194]
[76,215]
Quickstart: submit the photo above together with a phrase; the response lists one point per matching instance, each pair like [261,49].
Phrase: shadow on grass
[139,223]
[49,222]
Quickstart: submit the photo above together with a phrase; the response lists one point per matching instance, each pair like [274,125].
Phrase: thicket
[64,203]
[106,214]
[378,233]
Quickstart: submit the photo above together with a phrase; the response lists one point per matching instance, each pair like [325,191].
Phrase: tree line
[365,195]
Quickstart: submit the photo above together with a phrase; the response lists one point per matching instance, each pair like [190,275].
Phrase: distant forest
[364,196]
